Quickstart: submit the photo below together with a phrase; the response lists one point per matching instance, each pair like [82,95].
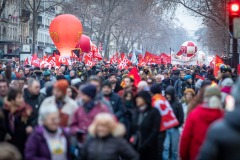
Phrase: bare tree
[2,5]
[35,7]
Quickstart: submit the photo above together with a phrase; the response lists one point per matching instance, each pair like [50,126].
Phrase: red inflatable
[65,31]
[84,43]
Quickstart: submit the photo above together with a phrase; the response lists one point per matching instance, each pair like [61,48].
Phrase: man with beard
[114,83]
[128,85]
[114,99]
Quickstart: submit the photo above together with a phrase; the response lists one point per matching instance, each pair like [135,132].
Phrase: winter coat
[195,130]
[16,124]
[146,133]
[37,148]
[167,82]
[108,148]
[117,106]
[3,130]
[66,112]
[178,86]
[34,101]
[83,118]
[176,106]
[223,139]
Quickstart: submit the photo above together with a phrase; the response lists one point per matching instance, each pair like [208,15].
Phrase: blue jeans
[171,144]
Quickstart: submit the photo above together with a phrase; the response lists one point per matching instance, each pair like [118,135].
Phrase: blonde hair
[116,129]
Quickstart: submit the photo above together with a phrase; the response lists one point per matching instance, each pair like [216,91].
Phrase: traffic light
[234,12]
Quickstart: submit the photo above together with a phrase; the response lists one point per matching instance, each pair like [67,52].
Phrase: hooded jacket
[195,130]
[223,139]
[176,105]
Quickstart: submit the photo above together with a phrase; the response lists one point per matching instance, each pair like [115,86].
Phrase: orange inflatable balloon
[84,43]
[65,31]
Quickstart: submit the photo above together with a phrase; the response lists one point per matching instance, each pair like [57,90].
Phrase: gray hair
[45,111]
[31,81]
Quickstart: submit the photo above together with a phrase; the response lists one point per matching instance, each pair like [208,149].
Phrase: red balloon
[84,44]
[65,31]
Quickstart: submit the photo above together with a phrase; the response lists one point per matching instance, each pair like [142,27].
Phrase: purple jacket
[36,147]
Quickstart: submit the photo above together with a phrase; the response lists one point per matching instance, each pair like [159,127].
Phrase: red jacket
[195,130]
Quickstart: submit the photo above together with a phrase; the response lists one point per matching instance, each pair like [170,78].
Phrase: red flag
[123,62]
[26,62]
[218,62]
[36,61]
[95,52]
[152,58]
[199,77]
[165,59]
[88,61]
[168,119]
[51,61]
[114,58]
[238,69]
[134,74]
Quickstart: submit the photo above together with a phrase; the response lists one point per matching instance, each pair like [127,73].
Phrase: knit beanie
[187,77]
[62,85]
[89,90]
[212,91]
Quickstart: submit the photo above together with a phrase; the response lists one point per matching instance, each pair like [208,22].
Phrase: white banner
[183,60]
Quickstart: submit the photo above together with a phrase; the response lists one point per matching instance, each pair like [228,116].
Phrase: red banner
[218,62]
[165,59]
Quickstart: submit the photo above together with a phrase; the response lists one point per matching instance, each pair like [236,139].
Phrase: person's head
[96,81]
[128,81]
[142,85]
[88,68]
[166,75]
[149,81]
[170,94]
[60,88]
[156,89]
[158,78]
[182,75]
[50,118]
[26,70]
[33,86]
[15,97]
[3,87]
[146,70]
[128,96]
[99,73]
[112,78]
[21,72]
[63,68]
[143,98]
[106,88]
[188,78]
[22,81]
[9,152]
[14,84]
[189,94]
[105,124]
[88,92]
[70,67]
[69,92]
[212,97]
[47,75]
[72,73]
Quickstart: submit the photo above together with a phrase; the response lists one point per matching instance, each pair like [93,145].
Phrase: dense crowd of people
[78,112]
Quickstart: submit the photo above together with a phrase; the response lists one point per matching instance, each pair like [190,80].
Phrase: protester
[146,122]
[3,88]
[223,137]
[115,101]
[106,142]
[33,97]
[114,83]
[48,141]
[128,85]
[87,110]
[172,135]
[187,98]
[17,118]
[178,85]
[65,104]
[198,122]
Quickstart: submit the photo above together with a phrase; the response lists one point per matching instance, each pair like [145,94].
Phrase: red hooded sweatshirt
[195,130]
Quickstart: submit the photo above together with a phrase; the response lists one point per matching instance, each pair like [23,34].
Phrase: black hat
[89,90]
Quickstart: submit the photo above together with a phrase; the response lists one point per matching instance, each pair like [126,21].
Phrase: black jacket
[109,148]
[223,139]
[176,105]
[117,106]
[34,101]
[146,133]
[3,130]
